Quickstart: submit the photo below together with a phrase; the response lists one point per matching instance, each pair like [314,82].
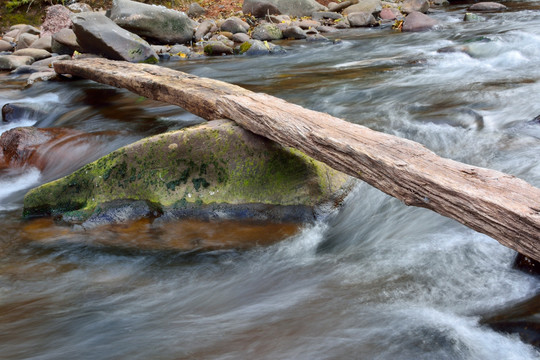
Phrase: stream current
[374,280]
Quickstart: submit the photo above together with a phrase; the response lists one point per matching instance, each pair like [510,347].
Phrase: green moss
[150,60]
[245,47]
[8,19]
[197,183]
[208,49]
[274,31]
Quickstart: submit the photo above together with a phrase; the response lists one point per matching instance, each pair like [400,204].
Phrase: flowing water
[375,280]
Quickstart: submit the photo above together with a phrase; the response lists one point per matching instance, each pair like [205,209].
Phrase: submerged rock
[522,318]
[12,112]
[213,170]
[18,146]
[526,264]
[156,23]
[472,17]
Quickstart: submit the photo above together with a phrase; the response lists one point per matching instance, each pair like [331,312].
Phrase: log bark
[488,201]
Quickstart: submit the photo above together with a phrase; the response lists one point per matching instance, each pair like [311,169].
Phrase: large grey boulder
[155,23]
[98,34]
[290,7]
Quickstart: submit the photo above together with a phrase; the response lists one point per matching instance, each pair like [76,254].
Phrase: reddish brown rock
[389,14]
[58,17]
[19,144]
[416,21]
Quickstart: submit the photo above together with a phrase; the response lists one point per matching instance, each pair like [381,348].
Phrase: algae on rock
[216,165]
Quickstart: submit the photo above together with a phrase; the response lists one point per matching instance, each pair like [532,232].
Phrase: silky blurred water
[374,280]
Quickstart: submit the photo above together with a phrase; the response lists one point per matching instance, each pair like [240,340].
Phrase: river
[374,280]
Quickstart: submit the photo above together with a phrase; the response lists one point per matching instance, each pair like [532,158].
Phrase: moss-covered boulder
[213,170]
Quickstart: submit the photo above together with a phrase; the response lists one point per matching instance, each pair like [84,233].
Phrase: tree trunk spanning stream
[494,203]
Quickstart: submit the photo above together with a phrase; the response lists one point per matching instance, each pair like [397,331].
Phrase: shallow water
[375,280]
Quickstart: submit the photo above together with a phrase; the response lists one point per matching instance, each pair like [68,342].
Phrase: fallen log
[488,201]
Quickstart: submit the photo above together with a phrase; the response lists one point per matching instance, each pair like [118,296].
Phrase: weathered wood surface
[488,201]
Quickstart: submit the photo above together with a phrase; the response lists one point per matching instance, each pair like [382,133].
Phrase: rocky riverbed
[138,32]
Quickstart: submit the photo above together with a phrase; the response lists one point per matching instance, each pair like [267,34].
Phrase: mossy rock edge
[216,169]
